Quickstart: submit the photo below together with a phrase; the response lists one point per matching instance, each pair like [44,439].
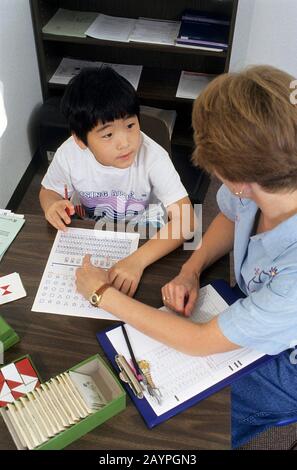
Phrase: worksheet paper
[191,84]
[179,376]
[111,28]
[151,31]
[68,68]
[57,291]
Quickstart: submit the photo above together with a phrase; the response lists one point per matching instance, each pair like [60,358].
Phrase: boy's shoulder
[69,145]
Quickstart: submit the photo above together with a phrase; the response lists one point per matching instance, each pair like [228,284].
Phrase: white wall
[266,33]
[22,92]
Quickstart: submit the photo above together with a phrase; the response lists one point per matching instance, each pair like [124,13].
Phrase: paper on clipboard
[180,376]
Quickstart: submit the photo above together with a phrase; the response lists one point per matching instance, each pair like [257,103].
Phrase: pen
[138,372]
[66,198]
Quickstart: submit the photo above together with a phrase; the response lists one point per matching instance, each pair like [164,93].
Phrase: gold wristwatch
[96,296]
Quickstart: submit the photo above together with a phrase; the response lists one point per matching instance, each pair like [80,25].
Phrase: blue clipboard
[230,295]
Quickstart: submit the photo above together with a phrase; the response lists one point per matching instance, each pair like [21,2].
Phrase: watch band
[102,289]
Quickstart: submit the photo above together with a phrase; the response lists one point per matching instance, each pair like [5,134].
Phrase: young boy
[114,168]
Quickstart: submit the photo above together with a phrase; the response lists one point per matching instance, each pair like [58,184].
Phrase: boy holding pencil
[116,170]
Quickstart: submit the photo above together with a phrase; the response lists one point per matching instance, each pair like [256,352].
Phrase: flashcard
[16,380]
[11,288]
[26,370]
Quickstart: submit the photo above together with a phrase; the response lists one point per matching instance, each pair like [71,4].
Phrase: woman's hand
[126,274]
[58,214]
[89,278]
[181,293]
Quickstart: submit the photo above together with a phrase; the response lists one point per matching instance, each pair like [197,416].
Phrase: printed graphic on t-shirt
[114,204]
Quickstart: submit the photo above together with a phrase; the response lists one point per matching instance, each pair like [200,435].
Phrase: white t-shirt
[114,192]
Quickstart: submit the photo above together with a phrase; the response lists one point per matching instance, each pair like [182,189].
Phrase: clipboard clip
[127,376]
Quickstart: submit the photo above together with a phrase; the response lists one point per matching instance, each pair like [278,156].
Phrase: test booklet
[10,225]
[57,290]
[183,380]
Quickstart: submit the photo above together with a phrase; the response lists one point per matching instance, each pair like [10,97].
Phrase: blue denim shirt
[266,271]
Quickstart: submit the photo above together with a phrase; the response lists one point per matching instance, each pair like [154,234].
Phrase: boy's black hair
[97,94]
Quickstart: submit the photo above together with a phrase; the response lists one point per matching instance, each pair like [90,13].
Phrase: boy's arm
[55,208]
[126,274]
[179,228]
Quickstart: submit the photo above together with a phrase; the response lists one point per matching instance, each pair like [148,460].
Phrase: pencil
[134,362]
[66,198]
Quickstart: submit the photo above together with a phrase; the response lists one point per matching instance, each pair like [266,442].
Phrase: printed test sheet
[57,291]
[180,376]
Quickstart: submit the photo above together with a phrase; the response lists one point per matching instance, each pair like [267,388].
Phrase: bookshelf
[162,64]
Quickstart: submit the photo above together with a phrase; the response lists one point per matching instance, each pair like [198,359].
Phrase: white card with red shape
[11,288]
[17,379]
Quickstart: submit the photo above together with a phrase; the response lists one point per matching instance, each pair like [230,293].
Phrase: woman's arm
[181,293]
[170,329]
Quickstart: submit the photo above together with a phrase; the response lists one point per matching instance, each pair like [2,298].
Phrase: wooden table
[57,342]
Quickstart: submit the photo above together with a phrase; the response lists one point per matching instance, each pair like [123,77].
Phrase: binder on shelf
[203,34]
[182,380]
[204,29]
[205,16]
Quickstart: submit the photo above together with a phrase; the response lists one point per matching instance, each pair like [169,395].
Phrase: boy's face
[114,143]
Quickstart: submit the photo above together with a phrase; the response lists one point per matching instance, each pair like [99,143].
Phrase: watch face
[94,299]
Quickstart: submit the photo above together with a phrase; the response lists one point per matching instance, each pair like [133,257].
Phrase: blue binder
[230,295]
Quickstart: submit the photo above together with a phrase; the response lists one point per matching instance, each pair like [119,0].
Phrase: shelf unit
[162,64]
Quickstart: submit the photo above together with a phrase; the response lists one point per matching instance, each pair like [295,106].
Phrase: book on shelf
[205,16]
[166,115]
[203,34]
[70,23]
[188,45]
[200,28]
[191,84]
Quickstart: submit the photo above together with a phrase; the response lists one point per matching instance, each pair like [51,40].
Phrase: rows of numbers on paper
[105,252]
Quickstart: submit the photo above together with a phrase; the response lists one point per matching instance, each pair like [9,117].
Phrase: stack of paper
[70,23]
[154,31]
[10,225]
[68,68]
[191,84]
[111,28]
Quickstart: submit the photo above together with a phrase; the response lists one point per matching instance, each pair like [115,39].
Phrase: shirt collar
[277,240]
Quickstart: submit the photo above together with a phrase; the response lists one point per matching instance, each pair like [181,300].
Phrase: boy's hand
[181,293]
[126,274]
[89,278]
[57,214]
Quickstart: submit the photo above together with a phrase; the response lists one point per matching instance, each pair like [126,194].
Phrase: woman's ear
[242,189]
[79,142]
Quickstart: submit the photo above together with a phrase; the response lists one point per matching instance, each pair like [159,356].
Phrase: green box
[7,335]
[112,391]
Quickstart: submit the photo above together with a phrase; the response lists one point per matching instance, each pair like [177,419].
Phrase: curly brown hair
[245,128]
